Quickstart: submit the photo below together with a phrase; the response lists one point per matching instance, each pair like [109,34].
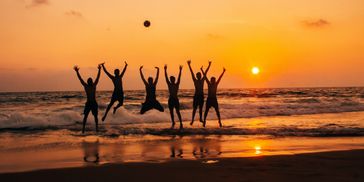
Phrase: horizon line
[308,87]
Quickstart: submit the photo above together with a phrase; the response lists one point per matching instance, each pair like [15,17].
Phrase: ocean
[41,130]
[42,111]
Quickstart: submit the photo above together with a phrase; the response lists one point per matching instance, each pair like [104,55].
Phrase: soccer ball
[146,23]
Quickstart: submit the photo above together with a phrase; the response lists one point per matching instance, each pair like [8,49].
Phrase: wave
[69,115]
[129,123]
[63,110]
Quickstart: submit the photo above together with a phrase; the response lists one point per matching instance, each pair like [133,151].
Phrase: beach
[311,134]
[325,166]
[181,91]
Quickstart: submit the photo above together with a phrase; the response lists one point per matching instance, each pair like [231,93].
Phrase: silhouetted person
[198,98]
[118,93]
[150,87]
[211,98]
[173,102]
[91,104]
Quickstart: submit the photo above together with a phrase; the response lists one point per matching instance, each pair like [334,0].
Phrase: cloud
[31,69]
[74,13]
[212,36]
[318,23]
[38,3]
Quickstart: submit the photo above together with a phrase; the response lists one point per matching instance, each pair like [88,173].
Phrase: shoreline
[50,151]
[321,166]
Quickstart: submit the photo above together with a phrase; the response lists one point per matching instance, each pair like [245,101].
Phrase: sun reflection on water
[258,150]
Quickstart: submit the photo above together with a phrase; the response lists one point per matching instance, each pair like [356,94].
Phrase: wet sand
[324,166]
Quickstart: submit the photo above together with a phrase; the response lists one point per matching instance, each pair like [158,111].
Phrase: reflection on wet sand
[95,150]
[176,147]
[204,148]
[173,152]
[91,152]
[159,149]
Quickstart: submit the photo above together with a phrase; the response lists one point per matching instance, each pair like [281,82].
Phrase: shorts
[173,103]
[212,102]
[198,100]
[91,106]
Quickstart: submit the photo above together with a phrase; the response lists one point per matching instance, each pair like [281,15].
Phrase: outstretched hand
[180,67]
[210,62]
[141,67]
[224,69]
[189,62]
[156,68]
[76,68]
[201,68]
[165,66]
[99,66]
[126,64]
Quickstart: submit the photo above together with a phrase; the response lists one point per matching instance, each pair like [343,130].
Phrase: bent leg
[108,108]
[117,107]
[145,107]
[158,106]
[121,103]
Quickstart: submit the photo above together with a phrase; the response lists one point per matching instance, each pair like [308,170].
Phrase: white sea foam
[63,110]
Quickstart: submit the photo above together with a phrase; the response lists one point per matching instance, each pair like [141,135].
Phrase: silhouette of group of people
[151,101]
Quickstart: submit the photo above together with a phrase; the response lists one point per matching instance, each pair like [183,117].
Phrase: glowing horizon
[297,44]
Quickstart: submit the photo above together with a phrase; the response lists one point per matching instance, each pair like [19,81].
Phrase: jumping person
[211,98]
[91,104]
[198,98]
[118,93]
[150,87]
[173,102]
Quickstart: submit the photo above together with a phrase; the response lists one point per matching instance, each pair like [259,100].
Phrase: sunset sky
[303,43]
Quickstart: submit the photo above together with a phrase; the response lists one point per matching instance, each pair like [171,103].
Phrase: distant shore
[325,166]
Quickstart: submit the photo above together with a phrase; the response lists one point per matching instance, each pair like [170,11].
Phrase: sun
[255,70]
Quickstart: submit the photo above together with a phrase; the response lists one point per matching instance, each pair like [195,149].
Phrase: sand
[325,166]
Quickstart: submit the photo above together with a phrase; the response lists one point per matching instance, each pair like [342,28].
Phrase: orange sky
[295,43]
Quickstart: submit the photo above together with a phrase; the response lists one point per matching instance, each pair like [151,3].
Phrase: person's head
[198,75]
[89,81]
[150,80]
[116,72]
[173,79]
[213,79]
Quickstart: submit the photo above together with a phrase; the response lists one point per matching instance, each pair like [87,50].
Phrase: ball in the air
[146,23]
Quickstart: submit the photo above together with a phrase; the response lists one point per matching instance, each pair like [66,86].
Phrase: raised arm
[205,76]
[107,73]
[157,76]
[122,73]
[166,75]
[76,68]
[98,74]
[142,76]
[179,75]
[193,74]
[222,74]
[208,67]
